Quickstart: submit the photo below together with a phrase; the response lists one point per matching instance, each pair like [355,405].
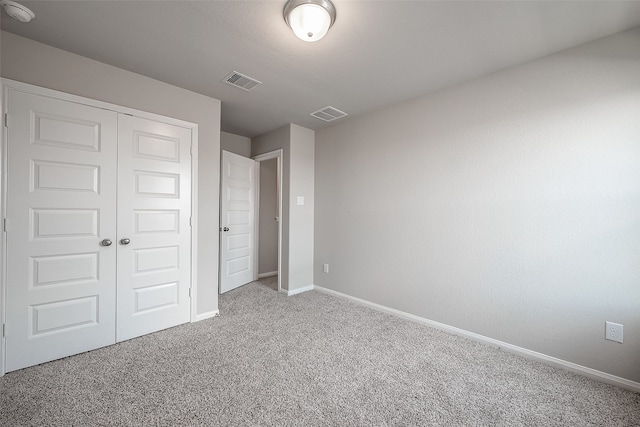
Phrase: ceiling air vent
[328,114]
[241,81]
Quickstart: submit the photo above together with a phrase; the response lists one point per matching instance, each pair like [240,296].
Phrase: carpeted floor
[307,360]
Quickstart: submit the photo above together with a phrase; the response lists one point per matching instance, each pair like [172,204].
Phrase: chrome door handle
[125,241]
[106,242]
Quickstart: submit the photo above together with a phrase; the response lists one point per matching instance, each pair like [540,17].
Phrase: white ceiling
[378,52]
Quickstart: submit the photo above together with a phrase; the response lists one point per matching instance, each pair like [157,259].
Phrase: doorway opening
[268,236]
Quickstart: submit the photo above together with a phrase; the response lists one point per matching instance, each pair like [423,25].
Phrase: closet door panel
[61,199]
[154,208]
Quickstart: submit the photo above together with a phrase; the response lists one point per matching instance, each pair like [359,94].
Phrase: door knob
[106,242]
[125,241]
[225,229]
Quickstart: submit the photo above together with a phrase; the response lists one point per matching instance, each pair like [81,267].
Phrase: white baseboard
[530,354]
[296,291]
[269,274]
[207,315]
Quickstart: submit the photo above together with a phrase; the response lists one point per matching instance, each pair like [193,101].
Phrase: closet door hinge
[189,292]
[6,120]
[191,149]
[190,223]
[4,225]
[4,330]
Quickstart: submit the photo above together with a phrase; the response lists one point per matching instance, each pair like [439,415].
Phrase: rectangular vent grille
[328,114]
[241,81]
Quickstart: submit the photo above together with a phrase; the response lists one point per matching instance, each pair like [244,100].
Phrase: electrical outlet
[325,268]
[613,332]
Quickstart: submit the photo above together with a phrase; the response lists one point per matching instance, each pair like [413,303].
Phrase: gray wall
[301,233]
[237,144]
[31,62]
[268,234]
[508,206]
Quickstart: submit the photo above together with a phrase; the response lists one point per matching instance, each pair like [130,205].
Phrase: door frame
[275,154]
[5,86]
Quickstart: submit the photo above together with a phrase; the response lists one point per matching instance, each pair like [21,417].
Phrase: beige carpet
[307,360]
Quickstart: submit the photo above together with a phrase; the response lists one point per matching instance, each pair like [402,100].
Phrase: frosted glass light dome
[309,20]
[17,11]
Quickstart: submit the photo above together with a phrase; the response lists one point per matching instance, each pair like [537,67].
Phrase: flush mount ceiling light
[17,11]
[310,19]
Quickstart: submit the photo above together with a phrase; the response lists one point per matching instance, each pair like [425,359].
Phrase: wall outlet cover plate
[613,332]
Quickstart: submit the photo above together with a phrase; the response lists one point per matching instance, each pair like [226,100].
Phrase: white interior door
[60,207]
[237,224]
[154,208]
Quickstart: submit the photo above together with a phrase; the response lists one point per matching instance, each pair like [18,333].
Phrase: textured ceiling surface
[378,53]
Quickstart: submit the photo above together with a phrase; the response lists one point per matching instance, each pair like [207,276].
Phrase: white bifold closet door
[80,182]
[154,205]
